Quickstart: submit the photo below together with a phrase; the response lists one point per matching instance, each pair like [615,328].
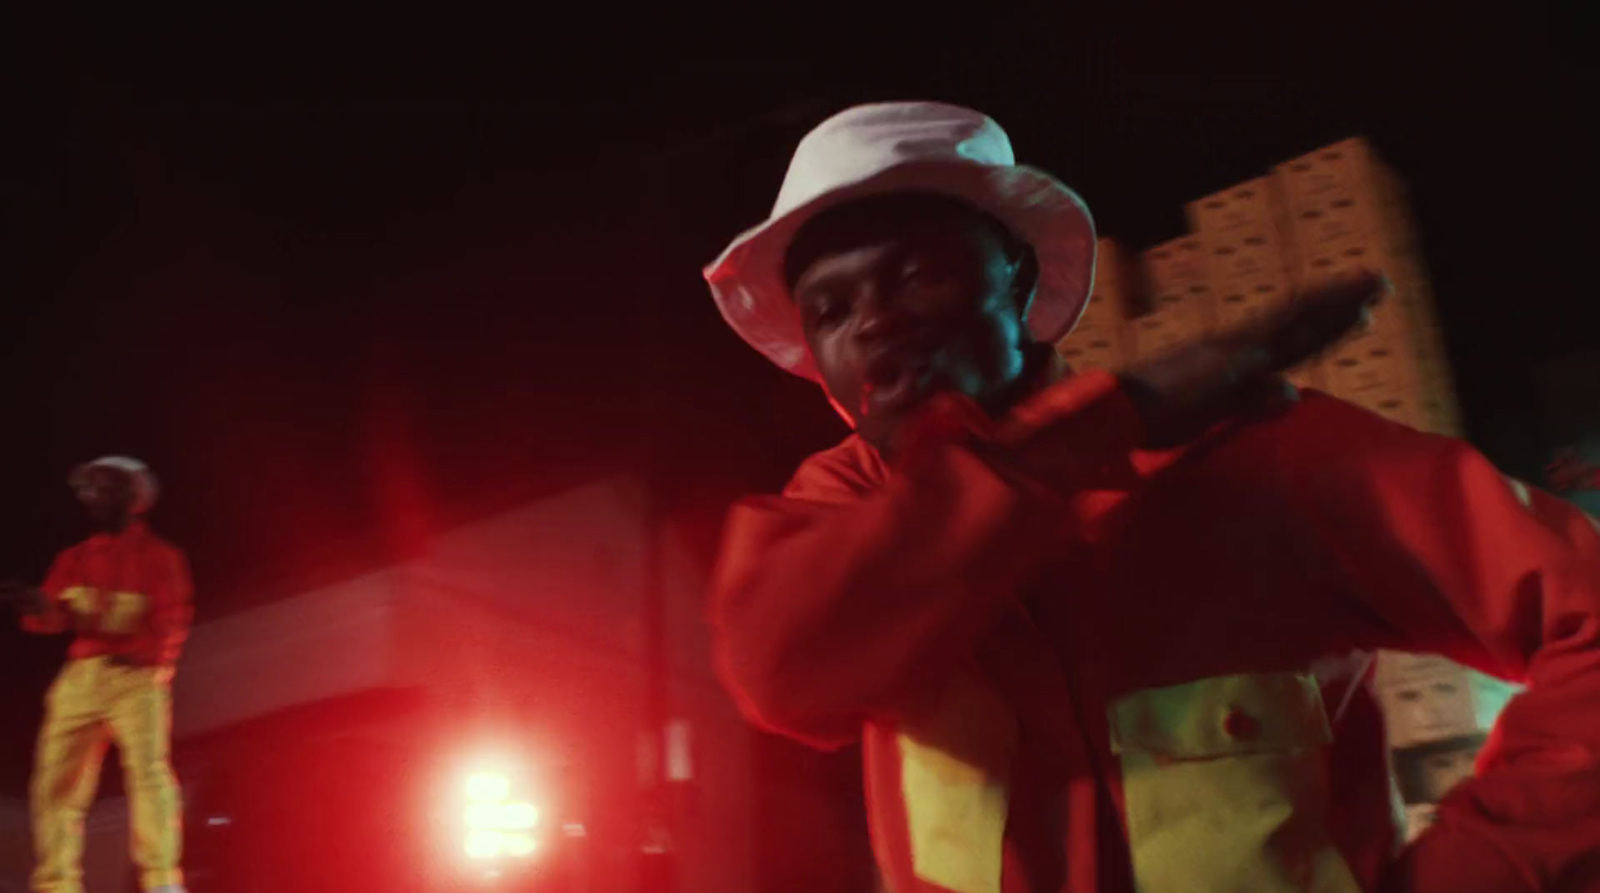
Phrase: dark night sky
[341,281]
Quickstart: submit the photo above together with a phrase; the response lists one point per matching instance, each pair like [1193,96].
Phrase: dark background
[342,280]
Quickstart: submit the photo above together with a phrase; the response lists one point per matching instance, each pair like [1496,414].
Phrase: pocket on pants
[1226,786]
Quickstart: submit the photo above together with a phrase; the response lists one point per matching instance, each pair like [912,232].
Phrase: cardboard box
[1377,374]
[1428,772]
[1347,167]
[1180,297]
[1345,220]
[1174,265]
[1403,407]
[1345,210]
[1441,412]
[1341,201]
[1100,338]
[1251,205]
[1246,254]
[1157,333]
[1116,287]
[1246,250]
[1419,818]
[1439,416]
[1115,269]
[1378,360]
[1319,262]
[1391,318]
[1240,301]
[1425,699]
[1384,370]
[1399,220]
[1093,349]
[1250,274]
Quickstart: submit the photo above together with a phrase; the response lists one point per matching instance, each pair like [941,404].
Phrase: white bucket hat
[901,147]
[145,487]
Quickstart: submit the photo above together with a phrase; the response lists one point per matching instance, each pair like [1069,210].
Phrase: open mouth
[895,380]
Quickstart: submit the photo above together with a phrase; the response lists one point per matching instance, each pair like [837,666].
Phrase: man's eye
[922,277]
[828,312]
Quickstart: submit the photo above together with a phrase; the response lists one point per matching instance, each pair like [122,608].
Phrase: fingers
[1269,397]
[1363,286]
[1319,318]
[1345,300]
[1181,393]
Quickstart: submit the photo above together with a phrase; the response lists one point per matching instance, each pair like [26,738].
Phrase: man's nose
[882,316]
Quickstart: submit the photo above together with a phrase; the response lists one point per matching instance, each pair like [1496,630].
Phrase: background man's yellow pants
[91,704]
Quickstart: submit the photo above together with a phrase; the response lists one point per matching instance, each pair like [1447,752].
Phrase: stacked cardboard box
[1256,245]
[1177,289]
[1242,231]
[1345,213]
[1438,407]
[1438,714]
[1100,340]
[1425,699]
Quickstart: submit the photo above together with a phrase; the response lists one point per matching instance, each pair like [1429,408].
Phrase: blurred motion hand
[1178,395]
[1182,393]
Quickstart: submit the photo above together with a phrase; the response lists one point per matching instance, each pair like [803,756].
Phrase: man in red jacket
[126,595]
[1076,621]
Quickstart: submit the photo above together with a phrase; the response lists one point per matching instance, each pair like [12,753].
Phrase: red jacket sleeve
[171,605]
[1458,560]
[55,619]
[838,601]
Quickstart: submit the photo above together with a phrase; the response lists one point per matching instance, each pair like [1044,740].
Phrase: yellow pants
[91,704]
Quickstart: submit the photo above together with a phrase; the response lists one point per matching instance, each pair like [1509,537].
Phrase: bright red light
[482,816]
[495,825]
[484,844]
[519,845]
[519,815]
[502,816]
[488,786]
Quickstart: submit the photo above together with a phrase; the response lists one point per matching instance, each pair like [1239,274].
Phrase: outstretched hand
[1182,393]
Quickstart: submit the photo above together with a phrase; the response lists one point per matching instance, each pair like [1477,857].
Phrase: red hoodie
[1108,688]
[125,594]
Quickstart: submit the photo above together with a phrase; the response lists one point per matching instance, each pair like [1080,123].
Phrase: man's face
[106,494]
[906,296]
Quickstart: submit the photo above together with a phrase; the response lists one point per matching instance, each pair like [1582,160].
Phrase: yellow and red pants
[92,704]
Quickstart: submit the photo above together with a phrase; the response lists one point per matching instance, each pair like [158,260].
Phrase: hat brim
[146,489]
[748,284]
